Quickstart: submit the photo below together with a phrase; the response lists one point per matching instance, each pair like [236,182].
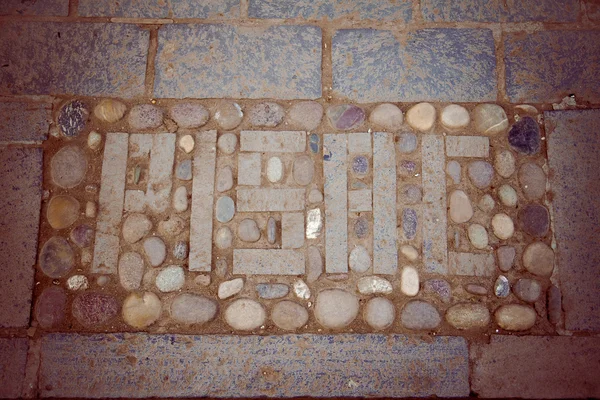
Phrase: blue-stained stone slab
[213,61]
[430,64]
[500,10]
[13,357]
[160,9]
[545,66]
[140,365]
[27,122]
[380,10]
[58,8]
[574,157]
[89,59]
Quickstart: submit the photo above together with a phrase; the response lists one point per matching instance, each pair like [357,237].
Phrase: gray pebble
[225,209]
[184,170]
[272,290]
[502,287]
[407,142]
[180,251]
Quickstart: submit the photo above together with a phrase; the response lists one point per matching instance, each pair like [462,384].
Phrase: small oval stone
[455,117]
[131,270]
[274,169]
[230,288]
[345,116]
[406,142]
[533,181]
[144,117]
[57,258]
[155,250]
[50,307]
[225,209]
[303,170]
[336,308]
[534,219]
[271,230]
[248,231]
[379,313]
[504,162]
[528,290]
[91,309]
[141,310]
[306,114]
[90,209]
[189,115]
[110,110]
[314,265]
[502,287]
[478,236]
[68,167]
[409,281]
[135,227]
[184,170]
[460,207]
[313,142]
[94,140]
[271,291]
[388,116]
[82,235]
[170,279]
[489,119]
[476,289]
[224,238]
[191,309]
[180,250]
[506,257]
[267,114]
[503,226]
[480,173]
[515,317]
[409,223]
[172,226]
[180,199]
[374,285]
[289,316]
[411,194]
[361,227]
[486,203]
[453,169]
[408,168]
[421,116]
[409,252]
[538,258]
[228,115]
[224,181]
[508,195]
[420,315]
[227,143]
[440,288]
[524,136]
[465,316]
[245,315]
[360,165]
[72,118]
[186,143]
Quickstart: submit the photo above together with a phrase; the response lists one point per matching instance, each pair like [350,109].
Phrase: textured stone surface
[471,264]
[467,146]
[24,122]
[48,7]
[221,9]
[268,262]
[265,141]
[429,64]
[40,61]
[204,61]
[13,358]
[270,200]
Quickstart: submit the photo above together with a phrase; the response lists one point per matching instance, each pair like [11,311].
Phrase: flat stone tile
[268,262]
[160,9]
[21,188]
[252,200]
[360,200]
[66,58]
[58,8]
[429,64]
[574,157]
[275,142]
[160,172]
[140,365]
[467,146]
[592,8]
[379,10]
[249,169]
[537,72]
[359,142]
[215,61]
[13,357]
[140,145]
[471,264]
[540,367]
[500,10]
[24,122]
[106,253]
[292,230]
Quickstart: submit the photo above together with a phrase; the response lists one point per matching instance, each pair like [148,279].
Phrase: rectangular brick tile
[359,142]
[13,357]
[467,146]
[539,72]
[268,262]
[379,10]
[251,200]
[160,9]
[276,142]
[360,200]
[249,169]
[500,10]
[539,367]
[574,157]
[58,8]
[24,122]
[160,172]
[21,188]
[292,230]
[471,264]
[429,64]
[90,59]
[205,61]
[354,365]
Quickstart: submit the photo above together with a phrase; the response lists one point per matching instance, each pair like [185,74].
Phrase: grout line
[501,96]
[244,9]
[73,8]
[326,64]
[30,388]
[151,63]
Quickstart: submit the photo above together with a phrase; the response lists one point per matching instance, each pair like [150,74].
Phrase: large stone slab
[538,367]
[214,61]
[537,72]
[429,64]
[268,262]
[58,8]
[256,200]
[21,188]
[91,59]
[269,141]
[574,157]
[13,357]
[160,9]
[141,365]
[24,122]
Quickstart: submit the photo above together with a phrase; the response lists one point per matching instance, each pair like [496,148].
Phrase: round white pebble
[503,226]
[507,195]
[245,315]
[227,143]
[170,279]
[359,259]
[336,308]
[274,169]
[421,116]
[455,116]
[409,281]
[187,143]
[478,236]
[379,313]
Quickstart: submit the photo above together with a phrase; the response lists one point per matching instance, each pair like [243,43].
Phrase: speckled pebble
[228,115]
[420,315]
[345,116]
[271,291]
[360,165]
[77,282]
[409,223]
[407,168]
[374,285]
[361,227]
[440,288]
[379,313]
[170,279]
[189,115]
[267,114]
[144,116]
[172,226]
[406,142]
[227,143]
[131,270]
[91,309]
[72,118]
[180,250]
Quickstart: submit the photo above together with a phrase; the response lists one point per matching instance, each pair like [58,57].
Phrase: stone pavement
[299,198]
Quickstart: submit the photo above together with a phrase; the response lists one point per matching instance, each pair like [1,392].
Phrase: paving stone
[471,264]
[573,146]
[541,359]
[58,8]
[289,316]
[251,200]
[359,142]
[539,73]
[336,308]
[162,157]
[292,230]
[40,61]
[249,169]
[24,122]
[303,170]
[430,65]
[50,307]
[179,9]
[216,61]
[268,141]
[268,262]
[359,200]
[379,313]
[13,360]
[467,146]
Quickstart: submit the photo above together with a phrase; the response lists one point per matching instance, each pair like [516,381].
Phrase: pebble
[141,310]
[314,265]
[184,170]
[86,256]
[374,285]
[409,223]
[411,194]
[145,116]
[529,109]
[453,169]
[68,167]
[528,290]
[524,136]
[538,259]
[504,162]
[515,317]
[77,282]
[336,308]
[91,309]
[508,195]
[266,114]
[271,230]
[57,258]
[289,316]
[379,313]
[439,287]
[229,115]
[91,209]
[172,226]
[502,287]
[135,227]
[63,211]
[225,209]
[406,142]
[131,270]
[189,115]
[421,116]
[224,179]
[230,288]
[72,118]
[186,143]
[170,279]
[478,236]
[314,223]
[315,196]
[50,307]
[102,280]
[94,140]
[155,250]
[460,207]
[180,251]
[409,281]
[192,309]
[361,227]
[503,226]
[506,257]
[274,169]
[82,235]
[180,199]
[170,125]
[360,165]
[271,291]
[301,289]
[409,252]
[306,114]
[455,117]
[227,143]
[313,142]
[468,316]
[224,238]
[486,203]
[248,231]
[387,116]
[420,315]
[480,173]
[533,181]
[554,304]
[408,168]
[476,289]
[110,110]
[202,280]
[303,170]
[245,315]
[489,119]
[534,220]
[345,116]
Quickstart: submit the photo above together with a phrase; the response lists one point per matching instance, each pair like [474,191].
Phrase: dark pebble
[534,219]
[361,228]
[524,136]
[360,165]
[82,235]
[72,118]
[92,309]
[409,223]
